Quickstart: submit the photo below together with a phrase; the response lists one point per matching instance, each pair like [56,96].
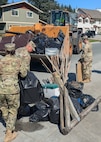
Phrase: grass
[94,40]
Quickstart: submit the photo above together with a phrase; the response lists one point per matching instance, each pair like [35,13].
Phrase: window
[15,12]
[80,20]
[0,13]
[99,22]
[29,14]
[86,20]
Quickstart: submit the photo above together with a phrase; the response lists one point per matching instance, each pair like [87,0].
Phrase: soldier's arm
[0,67]
[23,70]
[85,51]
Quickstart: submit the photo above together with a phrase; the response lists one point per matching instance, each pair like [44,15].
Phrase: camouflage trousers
[9,105]
[86,70]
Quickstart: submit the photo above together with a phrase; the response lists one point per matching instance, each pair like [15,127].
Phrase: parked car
[89,34]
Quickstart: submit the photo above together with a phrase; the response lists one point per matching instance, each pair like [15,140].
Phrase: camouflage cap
[10,46]
[33,45]
[85,37]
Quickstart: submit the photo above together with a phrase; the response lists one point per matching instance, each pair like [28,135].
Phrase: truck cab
[64,18]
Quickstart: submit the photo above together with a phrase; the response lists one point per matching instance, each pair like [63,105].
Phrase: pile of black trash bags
[42,41]
[79,99]
[32,93]
[48,109]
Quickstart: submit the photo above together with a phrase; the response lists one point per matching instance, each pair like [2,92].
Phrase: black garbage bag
[29,81]
[49,109]
[60,36]
[24,110]
[53,43]
[75,85]
[40,41]
[40,112]
[54,115]
[31,89]
[76,105]
[87,100]
[74,89]
[75,93]
[41,105]
[39,115]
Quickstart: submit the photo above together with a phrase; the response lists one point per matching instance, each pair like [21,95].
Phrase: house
[89,20]
[19,13]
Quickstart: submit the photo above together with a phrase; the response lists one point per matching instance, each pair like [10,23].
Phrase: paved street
[97,37]
[88,130]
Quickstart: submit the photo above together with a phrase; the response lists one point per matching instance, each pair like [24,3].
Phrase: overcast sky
[88,4]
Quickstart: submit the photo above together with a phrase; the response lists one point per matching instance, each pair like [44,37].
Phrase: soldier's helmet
[10,46]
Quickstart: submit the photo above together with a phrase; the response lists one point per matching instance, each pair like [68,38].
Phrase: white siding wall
[88,25]
[84,25]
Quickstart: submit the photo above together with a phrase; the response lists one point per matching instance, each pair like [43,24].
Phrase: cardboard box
[79,72]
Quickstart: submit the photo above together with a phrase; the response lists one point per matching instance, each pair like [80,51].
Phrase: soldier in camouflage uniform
[24,53]
[86,60]
[10,67]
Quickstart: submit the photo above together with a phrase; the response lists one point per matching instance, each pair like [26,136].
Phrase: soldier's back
[10,65]
[9,74]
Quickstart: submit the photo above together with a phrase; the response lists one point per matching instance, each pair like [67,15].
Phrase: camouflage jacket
[25,56]
[87,53]
[10,68]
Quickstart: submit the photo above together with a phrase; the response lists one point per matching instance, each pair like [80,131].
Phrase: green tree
[2,2]
[47,5]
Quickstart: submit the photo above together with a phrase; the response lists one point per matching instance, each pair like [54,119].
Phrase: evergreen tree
[2,2]
[47,5]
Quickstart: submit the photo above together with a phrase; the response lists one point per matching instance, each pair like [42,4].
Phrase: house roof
[95,14]
[22,2]
[43,22]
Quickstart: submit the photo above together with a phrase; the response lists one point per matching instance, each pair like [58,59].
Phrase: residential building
[89,20]
[19,13]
